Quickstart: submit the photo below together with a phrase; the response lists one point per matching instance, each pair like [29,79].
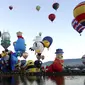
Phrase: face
[60,55]
[38,47]
[46,43]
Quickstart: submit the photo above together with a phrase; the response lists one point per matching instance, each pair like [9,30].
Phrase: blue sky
[24,17]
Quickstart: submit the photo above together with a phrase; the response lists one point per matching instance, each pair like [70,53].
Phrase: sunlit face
[60,55]
[46,43]
[38,47]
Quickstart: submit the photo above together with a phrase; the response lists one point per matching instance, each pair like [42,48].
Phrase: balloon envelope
[10,7]
[38,63]
[47,41]
[77,26]
[79,13]
[83,59]
[0,33]
[37,8]
[5,44]
[51,17]
[20,45]
[55,6]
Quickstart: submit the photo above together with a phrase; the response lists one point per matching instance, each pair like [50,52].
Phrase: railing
[64,73]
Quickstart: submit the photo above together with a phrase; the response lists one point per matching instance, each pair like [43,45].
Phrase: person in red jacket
[57,65]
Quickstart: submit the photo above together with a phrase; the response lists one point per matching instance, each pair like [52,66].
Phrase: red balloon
[10,7]
[51,17]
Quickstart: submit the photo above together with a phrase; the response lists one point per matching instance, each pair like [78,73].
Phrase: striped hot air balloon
[77,26]
[79,13]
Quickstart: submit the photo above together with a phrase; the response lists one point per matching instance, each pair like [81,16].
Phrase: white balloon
[5,36]
[38,46]
[38,38]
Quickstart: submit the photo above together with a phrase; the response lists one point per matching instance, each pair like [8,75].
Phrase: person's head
[59,53]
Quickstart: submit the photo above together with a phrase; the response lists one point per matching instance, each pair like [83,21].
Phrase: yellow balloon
[79,13]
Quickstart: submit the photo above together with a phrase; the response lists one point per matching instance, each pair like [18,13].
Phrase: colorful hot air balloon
[51,17]
[55,6]
[47,41]
[77,26]
[79,13]
[19,45]
[38,8]
[10,7]
[5,40]
[83,59]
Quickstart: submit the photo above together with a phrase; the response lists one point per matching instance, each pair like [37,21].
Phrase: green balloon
[38,8]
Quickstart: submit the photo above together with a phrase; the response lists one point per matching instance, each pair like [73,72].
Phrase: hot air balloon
[38,8]
[10,7]
[37,45]
[79,13]
[47,41]
[25,55]
[0,33]
[83,59]
[77,26]
[51,17]
[19,45]
[55,6]
[5,40]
